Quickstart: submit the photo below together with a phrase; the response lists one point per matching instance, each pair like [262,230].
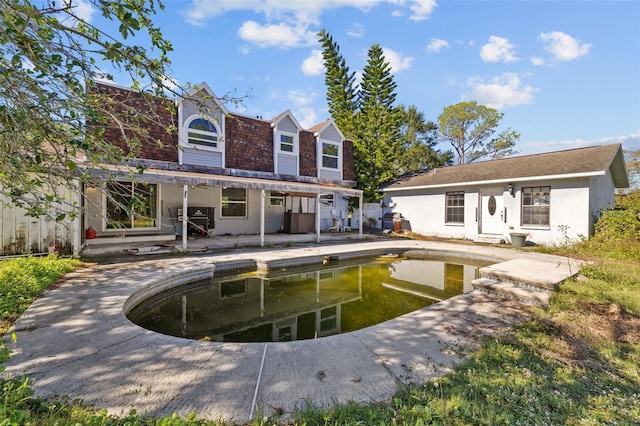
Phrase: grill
[200,218]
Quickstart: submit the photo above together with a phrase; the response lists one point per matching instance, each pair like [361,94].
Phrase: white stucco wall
[425,210]
[573,203]
[602,196]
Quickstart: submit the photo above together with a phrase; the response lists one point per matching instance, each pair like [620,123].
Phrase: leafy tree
[633,168]
[340,82]
[377,143]
[470,128]
[48,58]
[419,138]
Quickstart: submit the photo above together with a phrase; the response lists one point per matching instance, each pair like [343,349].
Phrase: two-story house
[230,173]
[205,171]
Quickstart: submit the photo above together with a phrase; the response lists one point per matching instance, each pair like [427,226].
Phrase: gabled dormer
[329,149]
[286,141]
[201,128]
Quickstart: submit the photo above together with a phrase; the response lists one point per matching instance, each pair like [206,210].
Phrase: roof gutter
[496,181]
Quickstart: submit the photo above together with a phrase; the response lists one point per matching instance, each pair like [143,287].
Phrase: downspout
[185,194]
[262,200]
[360,218]
[77,222]
[318,217]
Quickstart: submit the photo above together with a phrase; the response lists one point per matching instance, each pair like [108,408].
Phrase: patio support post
[360,218]
[185,193]
[318,217]
[262,200]
[78,198]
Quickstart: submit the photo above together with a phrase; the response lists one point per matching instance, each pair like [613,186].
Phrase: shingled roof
[591,161]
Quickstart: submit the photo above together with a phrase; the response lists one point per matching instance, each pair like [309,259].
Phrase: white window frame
[453,209]
[275,195]
[540,200]
[245,202]
[327,200]
[293,143]
[185,134]
[338,157]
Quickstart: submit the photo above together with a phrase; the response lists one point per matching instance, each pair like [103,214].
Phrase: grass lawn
[576,363]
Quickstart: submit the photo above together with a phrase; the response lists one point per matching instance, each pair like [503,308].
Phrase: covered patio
[187,183]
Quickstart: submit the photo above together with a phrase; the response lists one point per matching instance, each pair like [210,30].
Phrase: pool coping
[76,341]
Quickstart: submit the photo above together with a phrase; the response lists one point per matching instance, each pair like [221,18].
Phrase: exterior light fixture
[511,190]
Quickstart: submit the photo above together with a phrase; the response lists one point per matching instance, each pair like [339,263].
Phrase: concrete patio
[77,341]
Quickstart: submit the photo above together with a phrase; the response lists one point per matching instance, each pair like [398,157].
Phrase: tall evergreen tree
[388,140]
[340,82]
[377,142]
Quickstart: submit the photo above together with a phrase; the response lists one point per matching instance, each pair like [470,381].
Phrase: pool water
[305,302]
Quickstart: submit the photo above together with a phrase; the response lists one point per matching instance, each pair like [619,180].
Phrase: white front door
[491,211]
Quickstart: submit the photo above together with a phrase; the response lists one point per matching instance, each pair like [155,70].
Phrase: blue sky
[565,74]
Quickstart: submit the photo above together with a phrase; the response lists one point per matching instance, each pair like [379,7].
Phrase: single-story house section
[552,198]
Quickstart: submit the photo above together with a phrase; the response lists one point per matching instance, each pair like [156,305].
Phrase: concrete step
[489,239]
[513,290]
[541,274]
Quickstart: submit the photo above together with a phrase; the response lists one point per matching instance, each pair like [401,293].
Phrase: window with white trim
[234,202]
[327,200]
[131,205]
[276,198]
[330,155]
[287,143]
[203,133]
[454,207]
[536,204]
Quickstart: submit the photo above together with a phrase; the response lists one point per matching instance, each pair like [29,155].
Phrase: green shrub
[622,222]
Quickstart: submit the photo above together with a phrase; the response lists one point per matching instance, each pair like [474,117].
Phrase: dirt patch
[575,332]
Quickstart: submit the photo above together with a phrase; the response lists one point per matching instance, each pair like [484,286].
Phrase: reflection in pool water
[303,303]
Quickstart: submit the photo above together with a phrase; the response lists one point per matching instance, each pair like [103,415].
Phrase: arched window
[202,132]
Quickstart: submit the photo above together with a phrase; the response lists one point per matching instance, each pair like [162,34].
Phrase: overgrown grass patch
[24,279]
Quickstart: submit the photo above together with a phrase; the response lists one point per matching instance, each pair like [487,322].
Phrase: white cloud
[84,10]
[170,83]
[78,10]
[498,50]
[396,60]
[307,117]
[563,47]
[422,9]
[300,97]
[356,30]
[629,142]
[199,11]
[501,91]
[313,64]
[276,35]
[537,61]
[302,101]
[436,45]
